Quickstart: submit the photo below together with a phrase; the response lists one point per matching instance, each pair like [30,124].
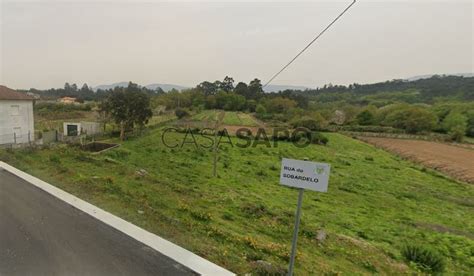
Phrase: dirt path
[455,161]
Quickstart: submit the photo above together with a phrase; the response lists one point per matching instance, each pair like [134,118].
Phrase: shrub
[255,209]
[55,159]
[413,119]
[318,138]
[365,118]
[316,122]
[181,113]
[358,128]
[456,125]
[261,267]
[424,258]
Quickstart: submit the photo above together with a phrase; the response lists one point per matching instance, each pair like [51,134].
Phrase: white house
[16,117]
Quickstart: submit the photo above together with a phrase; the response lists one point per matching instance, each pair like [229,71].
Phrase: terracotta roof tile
[10,94]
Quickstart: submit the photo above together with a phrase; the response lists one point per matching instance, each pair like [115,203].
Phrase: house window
[15,110]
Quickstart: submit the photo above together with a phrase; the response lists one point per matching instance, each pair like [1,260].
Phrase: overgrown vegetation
[423,258]
[243,218]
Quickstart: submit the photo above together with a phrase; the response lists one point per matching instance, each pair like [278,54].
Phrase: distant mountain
[110,86]
[415,78]
[276,88]
[166,87]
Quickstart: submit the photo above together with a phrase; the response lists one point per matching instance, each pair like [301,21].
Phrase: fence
[19,139]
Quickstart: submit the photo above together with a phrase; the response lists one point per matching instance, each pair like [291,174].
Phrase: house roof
[10,94]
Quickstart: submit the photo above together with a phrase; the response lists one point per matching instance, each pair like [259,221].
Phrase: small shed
[71,129]
[76,129]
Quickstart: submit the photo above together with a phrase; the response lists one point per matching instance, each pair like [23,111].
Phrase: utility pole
[219,120]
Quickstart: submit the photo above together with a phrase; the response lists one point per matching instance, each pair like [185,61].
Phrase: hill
[414,78]
[277,87]
[377,203]
[423,90]
[166,87]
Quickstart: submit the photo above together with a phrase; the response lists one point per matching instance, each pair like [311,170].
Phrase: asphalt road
[41,235]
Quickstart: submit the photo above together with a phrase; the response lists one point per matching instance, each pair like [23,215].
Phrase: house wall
[16,116]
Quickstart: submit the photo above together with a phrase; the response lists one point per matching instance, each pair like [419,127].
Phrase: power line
[312,41]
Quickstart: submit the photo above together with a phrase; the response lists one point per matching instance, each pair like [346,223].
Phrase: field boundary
[165,247]
[424,153]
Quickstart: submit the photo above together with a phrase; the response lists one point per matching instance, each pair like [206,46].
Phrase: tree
[230,101]
[251,105]
[412,118]
[208,88]
[67,87]
[159,91]
[456,125]
[242,89]
[260,109]
[228,84]
[128,107]
[365,118]
[255,89]
[339,117]
[470,123]
[85,88]
[279,105]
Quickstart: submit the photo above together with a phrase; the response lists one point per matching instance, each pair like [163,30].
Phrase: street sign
[305,174]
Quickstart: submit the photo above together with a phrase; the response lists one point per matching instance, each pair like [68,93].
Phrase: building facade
[16,117]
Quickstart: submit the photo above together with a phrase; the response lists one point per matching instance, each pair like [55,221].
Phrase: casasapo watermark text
[246,137]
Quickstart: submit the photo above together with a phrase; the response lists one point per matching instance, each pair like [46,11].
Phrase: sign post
[302,175]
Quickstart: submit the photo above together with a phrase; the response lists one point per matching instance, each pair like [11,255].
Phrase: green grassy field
[376,203]
[206,115]
[56,122]
[231,118]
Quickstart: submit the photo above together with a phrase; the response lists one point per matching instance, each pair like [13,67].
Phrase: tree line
[441,103]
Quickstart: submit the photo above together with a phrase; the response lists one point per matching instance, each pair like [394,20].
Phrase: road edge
[167,248]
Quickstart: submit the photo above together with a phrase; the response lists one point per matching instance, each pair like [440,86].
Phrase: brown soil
[455,161]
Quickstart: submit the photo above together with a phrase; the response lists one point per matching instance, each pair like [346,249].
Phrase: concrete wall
[16,116]
[91,128]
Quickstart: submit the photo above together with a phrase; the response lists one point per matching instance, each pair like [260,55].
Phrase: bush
[424,258]
[318,138]
[261,267]
[413,119]
[48,107]
[55,159]
[316,122]
[255,209]
[358,128]
[456,125]
[181,113]
[365,118]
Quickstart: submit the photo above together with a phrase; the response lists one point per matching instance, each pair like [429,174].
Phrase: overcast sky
[47,43]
